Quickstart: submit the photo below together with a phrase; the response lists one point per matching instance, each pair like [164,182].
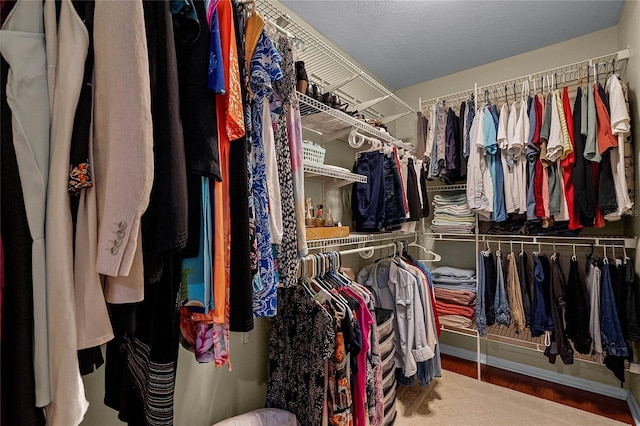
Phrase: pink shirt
[360,387]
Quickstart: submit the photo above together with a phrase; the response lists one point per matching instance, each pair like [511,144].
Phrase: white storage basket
[312,153]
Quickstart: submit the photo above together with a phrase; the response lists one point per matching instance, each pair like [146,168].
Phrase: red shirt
[606,139]
[567,165]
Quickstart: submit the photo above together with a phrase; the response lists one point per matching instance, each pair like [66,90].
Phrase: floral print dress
[265,69]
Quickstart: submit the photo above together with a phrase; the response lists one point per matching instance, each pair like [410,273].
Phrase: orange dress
[230,116]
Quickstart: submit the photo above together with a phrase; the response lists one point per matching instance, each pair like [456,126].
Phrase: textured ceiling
[408,42]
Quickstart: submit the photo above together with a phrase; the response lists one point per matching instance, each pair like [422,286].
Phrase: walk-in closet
[347,213]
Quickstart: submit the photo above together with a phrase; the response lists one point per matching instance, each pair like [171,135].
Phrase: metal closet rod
[372,248]
[550,243]
[366,249]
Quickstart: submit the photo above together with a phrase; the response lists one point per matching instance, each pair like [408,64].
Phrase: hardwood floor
[605,406]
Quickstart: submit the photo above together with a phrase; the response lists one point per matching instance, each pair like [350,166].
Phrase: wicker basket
[312,153]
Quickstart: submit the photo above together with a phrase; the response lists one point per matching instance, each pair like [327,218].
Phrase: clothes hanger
[487,250]
[329,278]
[298,44]
[539,252]
[579,76]
[249,7]
[542,87]
[376,145]
[615,258]
[554,256]
[548,82]
[436,256]
[305,267]
[355,139]
[324,294]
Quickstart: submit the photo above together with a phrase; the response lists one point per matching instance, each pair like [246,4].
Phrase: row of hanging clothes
[404,285]
[556,167]
[127,207]
[537,165]
[593,310]
[441,140]
[331,349]
[395,195]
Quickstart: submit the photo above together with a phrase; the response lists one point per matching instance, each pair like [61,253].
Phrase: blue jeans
[481,318]
[501,304]
[612,338]
[541,318]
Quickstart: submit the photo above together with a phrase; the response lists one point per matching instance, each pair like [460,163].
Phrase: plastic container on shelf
[312,153]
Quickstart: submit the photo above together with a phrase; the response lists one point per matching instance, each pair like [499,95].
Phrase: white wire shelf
[509,336]
[332,177]
[449,237]
[330,69]
[444,188]
[332,123]
[359,238]
[579,241]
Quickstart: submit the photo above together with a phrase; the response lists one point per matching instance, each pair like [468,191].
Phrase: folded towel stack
[455,293]
[451,214]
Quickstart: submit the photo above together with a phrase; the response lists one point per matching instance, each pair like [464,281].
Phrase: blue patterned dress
[265,69]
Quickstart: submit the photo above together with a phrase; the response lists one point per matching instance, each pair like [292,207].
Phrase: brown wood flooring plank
[588,401]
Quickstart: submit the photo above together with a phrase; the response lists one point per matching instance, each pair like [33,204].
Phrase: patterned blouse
[302,341]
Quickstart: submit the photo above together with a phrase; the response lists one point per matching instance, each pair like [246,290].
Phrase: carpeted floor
[455,399]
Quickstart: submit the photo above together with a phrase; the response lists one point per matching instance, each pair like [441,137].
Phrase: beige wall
[574,50]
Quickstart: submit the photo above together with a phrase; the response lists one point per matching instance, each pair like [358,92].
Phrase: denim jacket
[409,321]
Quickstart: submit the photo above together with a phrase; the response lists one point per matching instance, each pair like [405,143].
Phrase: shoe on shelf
[302,80]
[316,93]
[327,99]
